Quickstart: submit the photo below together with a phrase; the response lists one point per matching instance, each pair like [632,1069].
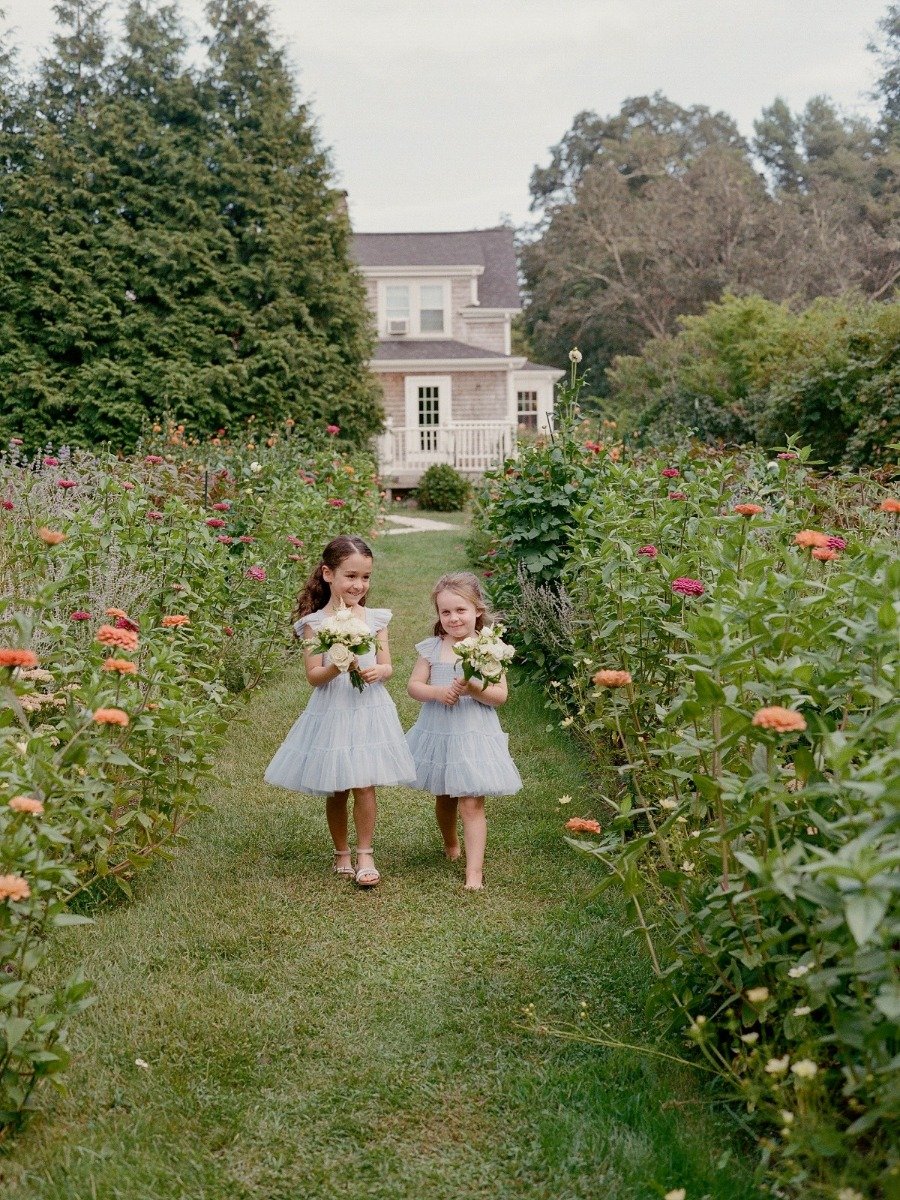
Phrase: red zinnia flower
[648,551]
[7,504]
[49,461]
[677,496]
[337,503]
[65,484]
[80,615]
[332,430]
[228,631]
[222,506]
[215,522]
[836,543]
[127,623]
[684,586]
[671,473]
[154,459]
[257,573]
[155,515]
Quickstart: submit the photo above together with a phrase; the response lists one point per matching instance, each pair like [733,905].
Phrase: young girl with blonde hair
[459,749]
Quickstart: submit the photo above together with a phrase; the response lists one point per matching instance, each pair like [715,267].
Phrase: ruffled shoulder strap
[379,618]
[429,648]
[313,620]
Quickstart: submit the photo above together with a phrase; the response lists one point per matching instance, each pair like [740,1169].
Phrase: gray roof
[530,366]
[427,351]
[492,249]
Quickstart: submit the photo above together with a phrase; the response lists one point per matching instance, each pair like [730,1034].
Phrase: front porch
[471,447]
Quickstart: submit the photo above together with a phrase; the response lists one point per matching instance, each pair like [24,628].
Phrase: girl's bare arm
[493,695]
[420,689]
[317,673]
[383,668]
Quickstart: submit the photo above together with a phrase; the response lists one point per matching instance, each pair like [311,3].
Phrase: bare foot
[452,852]
[474,883]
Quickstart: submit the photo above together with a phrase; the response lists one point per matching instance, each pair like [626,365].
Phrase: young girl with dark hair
[345,740]
[457,744]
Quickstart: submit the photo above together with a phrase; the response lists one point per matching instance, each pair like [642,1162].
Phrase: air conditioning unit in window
[397,326]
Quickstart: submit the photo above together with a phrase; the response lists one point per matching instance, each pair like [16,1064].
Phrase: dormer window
[414,309]
[431,308]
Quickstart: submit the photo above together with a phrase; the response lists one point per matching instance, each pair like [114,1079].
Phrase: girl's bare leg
[364,809]
[336,816]
[471,809]
[445,810]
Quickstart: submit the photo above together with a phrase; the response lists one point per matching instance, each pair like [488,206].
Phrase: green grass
[308,1040]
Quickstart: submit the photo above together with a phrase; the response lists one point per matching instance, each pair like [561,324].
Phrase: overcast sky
[436,111]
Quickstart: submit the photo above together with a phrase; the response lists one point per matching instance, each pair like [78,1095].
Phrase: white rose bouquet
[484,655]
[343,637]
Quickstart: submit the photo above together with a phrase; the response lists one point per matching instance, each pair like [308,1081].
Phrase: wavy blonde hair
[467,585]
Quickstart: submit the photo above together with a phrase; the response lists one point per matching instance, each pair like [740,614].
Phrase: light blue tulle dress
[459,751]
[344,738]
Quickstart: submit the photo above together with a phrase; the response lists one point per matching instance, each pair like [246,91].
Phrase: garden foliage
[139,595]
[722,631]
[442,489]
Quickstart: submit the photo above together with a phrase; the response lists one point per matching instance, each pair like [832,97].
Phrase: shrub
[442,489]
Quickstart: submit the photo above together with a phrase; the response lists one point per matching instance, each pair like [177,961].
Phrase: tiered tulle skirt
[462,751]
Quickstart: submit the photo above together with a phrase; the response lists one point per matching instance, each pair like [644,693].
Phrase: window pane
[431,308]
[397,301]
[528,409]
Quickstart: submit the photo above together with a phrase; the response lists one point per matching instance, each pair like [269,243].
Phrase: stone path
[417,525]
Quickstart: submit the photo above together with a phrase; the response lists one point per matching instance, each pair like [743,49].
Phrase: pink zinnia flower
[129,487]
[126,623]
[246,539]
[677,496]
[257,573]
[16,442]
[224,539]
[155,515]
[154,459]
[49,461]
[222,506]
[648,551]
[228,631]
[671,473]
[683,586]
[215,522]
[337,503]
[332,430]
[7,504]
[295,541]
[80,615]
[836,543]
[787,454]
[65,484]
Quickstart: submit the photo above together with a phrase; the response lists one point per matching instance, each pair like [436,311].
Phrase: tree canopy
[171,239]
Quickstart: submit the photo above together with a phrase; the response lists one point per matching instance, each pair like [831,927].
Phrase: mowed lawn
[304,1039]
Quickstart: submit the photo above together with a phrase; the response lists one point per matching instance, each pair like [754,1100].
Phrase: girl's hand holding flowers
[484,656]
[343,638]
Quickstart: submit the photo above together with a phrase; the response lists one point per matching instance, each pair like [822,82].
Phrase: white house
[453,391]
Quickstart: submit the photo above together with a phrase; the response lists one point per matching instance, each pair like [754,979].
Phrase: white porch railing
[469,446]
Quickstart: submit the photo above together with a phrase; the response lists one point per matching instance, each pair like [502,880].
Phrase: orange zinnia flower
[26,804]
[125,639]
[110,716]
[823,554]
[13,887]
[612,679]
[116,612]
[123,665]
[809,538]
[782,720]
[748,510]
[580,825]
[52,537]
[17,658]
[890,505]
[174,619]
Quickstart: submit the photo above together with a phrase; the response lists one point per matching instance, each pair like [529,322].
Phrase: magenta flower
[787,454]
[224,539]
[683,586]
[677,496]
[155,515]
[837,543]
[222,506]
[295,541]
[228,631]
[154,459]
[49,461]
[257,573]
[671,473]
[215,522]
[80,615]
[246,539]
[127,623]
[129,487]
[337,503]
[648,551]
[65,484]
[332,430]
[7,504]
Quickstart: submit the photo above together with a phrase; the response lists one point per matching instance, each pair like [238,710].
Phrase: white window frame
[536,412]
[444,384]
[415,307]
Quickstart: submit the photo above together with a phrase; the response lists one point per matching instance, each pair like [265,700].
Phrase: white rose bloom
[341,657]
[256,467]
[491,670]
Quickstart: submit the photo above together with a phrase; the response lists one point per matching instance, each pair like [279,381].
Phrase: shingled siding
[460,297]
[477,395]
[490,335]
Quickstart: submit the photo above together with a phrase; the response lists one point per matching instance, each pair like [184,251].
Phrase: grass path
[308,1040]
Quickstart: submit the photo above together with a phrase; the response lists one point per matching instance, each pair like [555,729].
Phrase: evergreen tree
[888,87]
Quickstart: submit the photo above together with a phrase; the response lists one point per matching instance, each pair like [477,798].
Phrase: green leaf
[864,912]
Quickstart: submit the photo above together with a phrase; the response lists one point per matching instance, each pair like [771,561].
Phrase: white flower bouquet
[343,637]
[484,655]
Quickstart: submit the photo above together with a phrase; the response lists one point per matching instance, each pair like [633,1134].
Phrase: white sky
[436,111]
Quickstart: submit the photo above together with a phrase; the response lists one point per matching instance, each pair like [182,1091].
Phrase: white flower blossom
[799,972]
[750,1038]
[758,995]
[575,355]
[804,1068]
[778,1066]
[139,1062]
[676,1194]
[787,1117]
[802,1011]
[668,803]
[850,1194]
[566,722]
[564,800]
[256,467]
